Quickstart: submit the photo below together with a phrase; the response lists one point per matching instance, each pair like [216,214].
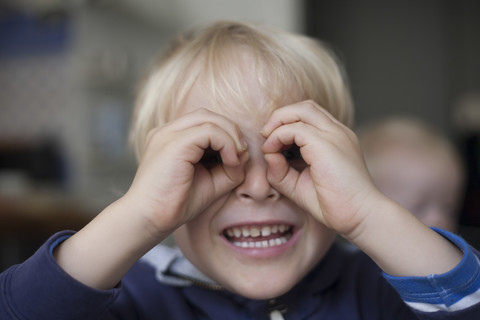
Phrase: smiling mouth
[259,236]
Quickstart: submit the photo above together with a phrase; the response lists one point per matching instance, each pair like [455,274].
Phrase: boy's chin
[262,295]
[261,290]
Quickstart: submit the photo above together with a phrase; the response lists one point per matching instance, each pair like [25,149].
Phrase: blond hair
[288,67]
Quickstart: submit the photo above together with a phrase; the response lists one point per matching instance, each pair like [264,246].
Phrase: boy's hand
[176,178]
[174,182]
[335,182]
[336,188]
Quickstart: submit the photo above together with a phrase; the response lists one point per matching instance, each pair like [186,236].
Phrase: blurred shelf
[39,217]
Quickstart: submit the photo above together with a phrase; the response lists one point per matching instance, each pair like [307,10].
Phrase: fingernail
[244,145]
[263,132]
[244,157]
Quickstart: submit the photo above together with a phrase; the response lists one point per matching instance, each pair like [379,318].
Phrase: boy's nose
[256,187]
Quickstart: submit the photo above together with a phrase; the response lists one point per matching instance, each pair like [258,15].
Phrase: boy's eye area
[211,158]
[292,153]
[294,157]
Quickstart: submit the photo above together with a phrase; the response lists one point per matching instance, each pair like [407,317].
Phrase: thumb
[227,177]
[280,175]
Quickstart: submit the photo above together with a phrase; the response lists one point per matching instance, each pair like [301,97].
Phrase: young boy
[416,166]
[246,157]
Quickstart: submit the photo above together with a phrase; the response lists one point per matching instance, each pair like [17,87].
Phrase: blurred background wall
[69,69]
[412,58]
[415,57]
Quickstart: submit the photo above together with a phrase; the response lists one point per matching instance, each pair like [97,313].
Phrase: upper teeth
[256,231]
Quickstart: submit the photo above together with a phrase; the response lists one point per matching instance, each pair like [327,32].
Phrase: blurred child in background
[416,166]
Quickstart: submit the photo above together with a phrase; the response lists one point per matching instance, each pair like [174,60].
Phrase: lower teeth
[261,244]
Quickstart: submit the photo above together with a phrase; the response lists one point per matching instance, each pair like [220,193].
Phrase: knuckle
[208,126]
[152,133]
[311,104]
[203,110]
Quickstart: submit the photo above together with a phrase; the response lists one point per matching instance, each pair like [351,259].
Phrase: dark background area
[403,57]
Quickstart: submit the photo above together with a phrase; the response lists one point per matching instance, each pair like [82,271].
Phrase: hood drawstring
[276,309]
[276,315]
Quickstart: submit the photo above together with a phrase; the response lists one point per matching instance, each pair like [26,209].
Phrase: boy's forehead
[241,88]
[256,108]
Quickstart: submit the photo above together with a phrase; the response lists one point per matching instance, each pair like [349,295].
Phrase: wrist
[367,217]
[401,245]
[140,220]
[112,242]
